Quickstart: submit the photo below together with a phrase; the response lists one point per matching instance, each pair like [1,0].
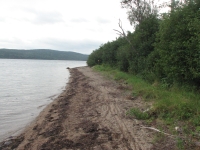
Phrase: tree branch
[123,34]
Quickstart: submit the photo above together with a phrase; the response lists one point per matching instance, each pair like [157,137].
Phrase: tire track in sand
[113,106]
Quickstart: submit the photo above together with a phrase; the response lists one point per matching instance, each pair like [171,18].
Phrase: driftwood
[151,128]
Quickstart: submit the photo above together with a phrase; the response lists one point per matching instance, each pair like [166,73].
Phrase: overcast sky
[66,25]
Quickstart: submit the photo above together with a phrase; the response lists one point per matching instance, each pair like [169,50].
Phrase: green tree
[95,58]
[178,45]
[139,10]
[143,39]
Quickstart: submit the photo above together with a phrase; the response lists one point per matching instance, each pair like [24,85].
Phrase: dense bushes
[95,58]
[165,49]
[178,45]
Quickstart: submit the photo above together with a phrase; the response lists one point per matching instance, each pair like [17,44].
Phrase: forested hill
[41,54]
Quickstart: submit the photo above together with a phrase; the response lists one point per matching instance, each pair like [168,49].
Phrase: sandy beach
[89,114]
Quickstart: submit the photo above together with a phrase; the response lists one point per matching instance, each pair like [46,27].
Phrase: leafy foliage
[95,58]
[139,10]
[178,45]
[166,48]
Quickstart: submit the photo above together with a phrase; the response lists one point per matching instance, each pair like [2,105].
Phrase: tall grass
[176,103]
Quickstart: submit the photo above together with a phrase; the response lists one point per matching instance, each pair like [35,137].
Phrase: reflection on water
[26,87]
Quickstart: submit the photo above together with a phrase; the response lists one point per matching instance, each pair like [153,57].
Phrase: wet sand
[89,114]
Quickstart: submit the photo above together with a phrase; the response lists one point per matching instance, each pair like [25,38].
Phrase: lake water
[26,87]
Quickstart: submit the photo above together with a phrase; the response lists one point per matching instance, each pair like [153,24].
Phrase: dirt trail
[90,114]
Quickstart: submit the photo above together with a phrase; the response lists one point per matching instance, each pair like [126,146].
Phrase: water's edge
[19,111]
[16,133]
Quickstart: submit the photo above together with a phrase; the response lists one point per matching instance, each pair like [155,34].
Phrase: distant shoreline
[40,59]
[41,54]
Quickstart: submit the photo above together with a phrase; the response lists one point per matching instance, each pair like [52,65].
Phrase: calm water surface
[26,87]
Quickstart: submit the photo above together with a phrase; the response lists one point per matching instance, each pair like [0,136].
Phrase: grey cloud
[83,20]
[42,17]
[84,47]
[2,19]
[79,20]
[48,18]
[102,20]
[11,43]
[11,40]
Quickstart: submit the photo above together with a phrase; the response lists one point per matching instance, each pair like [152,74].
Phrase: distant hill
[41,54]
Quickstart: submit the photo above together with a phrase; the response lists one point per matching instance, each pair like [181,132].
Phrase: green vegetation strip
[173,106]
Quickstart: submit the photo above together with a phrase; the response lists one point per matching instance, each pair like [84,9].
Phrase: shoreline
[15,134]
[89,114]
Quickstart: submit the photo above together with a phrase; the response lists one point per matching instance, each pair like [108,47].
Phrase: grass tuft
[138,114]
